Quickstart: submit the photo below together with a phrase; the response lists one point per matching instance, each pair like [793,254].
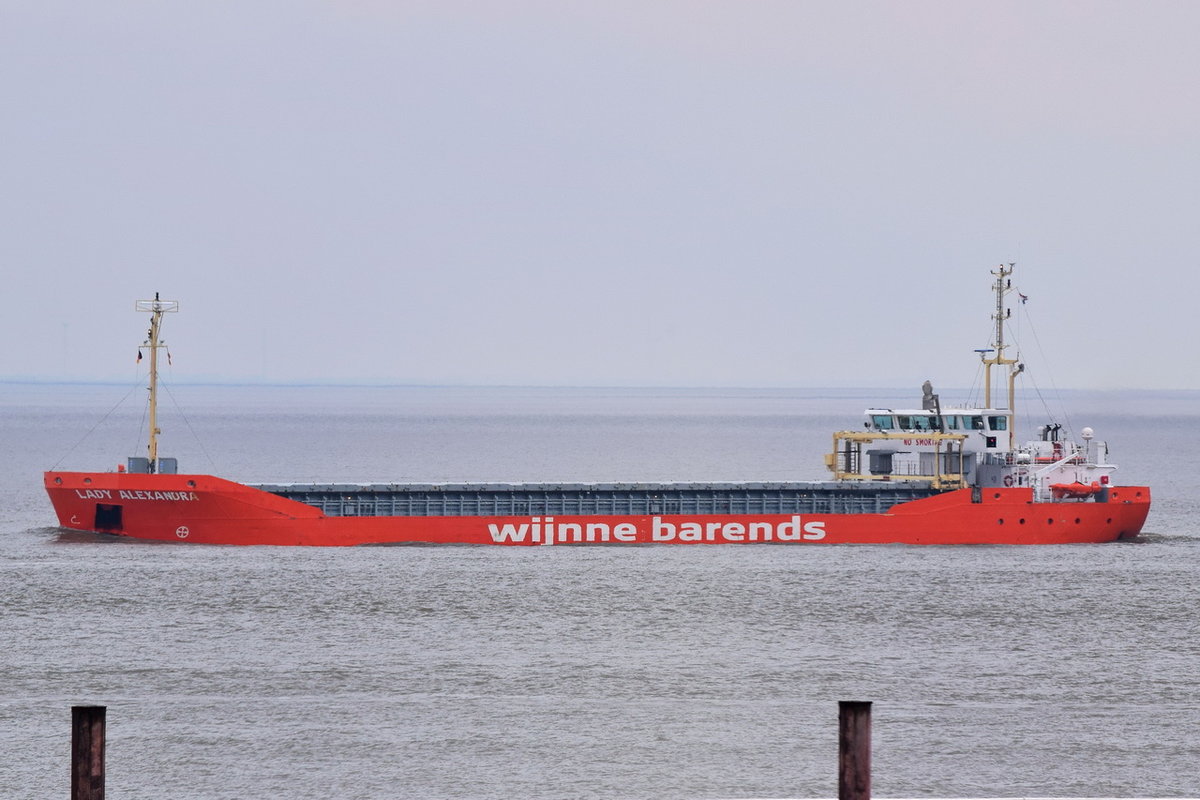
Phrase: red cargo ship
[931,475]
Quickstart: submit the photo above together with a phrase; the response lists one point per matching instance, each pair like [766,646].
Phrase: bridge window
[976,423]
[884,422]
[998,423]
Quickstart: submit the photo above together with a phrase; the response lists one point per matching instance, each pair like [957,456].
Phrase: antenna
[157,308]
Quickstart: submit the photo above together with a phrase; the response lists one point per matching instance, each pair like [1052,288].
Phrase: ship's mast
[1002,286]
[156,308]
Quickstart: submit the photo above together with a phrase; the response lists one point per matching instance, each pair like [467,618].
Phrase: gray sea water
[586,672]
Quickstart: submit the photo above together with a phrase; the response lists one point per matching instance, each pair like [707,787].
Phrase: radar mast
[1002,286]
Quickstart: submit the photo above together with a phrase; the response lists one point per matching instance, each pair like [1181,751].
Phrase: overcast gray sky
[616,193]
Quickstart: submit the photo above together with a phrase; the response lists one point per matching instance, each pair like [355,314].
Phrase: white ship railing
[1038,478]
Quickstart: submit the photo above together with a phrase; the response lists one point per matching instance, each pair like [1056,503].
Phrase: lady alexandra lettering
[122,494]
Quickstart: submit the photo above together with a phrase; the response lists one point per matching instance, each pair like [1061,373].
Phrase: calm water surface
[641,672]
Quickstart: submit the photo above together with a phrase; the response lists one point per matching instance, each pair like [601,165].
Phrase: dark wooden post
[87,752]
[854,750]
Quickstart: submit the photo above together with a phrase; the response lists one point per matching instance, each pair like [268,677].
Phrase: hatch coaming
[597,499]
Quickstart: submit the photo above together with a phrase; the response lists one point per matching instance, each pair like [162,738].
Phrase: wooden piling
[87,752]
[854,750]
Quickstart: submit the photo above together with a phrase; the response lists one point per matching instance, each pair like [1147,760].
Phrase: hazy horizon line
[342,384]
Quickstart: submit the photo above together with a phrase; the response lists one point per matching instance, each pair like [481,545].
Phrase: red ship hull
[209,510]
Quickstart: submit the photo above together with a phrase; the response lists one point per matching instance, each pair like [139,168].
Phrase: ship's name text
[122,494]
[547,531]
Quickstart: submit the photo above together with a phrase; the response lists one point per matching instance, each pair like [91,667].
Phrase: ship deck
[586,499]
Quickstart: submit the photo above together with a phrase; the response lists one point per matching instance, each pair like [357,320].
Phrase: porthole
[999,522]
[1077,520]
[87,480]
[1050,521]
[191,484]
[58,481]
[996,496]
[1021,521]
